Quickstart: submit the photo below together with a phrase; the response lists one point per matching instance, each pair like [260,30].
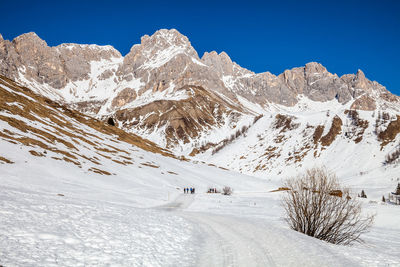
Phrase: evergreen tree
[398,189]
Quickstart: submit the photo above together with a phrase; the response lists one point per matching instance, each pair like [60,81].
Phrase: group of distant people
[186,190]
[212,190]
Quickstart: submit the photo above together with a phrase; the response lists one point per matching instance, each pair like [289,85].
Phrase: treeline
[234,136]
[393,156]
[381,119]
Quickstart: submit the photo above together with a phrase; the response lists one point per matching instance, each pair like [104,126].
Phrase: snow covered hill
[354,144]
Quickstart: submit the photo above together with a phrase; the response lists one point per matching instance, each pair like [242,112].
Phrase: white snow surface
[138,217]
[53,213]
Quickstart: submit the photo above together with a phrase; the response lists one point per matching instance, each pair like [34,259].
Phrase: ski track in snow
[226,240]
[42,229]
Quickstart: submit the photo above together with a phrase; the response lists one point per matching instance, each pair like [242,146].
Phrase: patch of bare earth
[284,123]
[36,153]
[318,134]
[336,129]
[99,171]
[149,164]
[390,133]
[4,160]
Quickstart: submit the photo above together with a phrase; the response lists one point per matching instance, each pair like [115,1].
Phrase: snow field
[51,230]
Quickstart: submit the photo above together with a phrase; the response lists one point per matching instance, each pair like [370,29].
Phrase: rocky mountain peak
[166,37]
[164,40]
[29,38]
[209,57]
[361,82]
[314,67]
[360,76]
[157,50]
[221,62]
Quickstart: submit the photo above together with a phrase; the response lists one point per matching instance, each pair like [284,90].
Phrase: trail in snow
[233,241]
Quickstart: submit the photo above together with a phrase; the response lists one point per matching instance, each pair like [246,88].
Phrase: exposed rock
[364,102]
[54,67]
[105,75]
[124,97]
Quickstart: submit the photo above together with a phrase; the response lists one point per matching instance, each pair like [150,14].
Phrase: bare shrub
[227,191]
[312,208]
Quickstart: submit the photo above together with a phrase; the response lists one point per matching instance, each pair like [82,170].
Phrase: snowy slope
[272,151]
[57,210]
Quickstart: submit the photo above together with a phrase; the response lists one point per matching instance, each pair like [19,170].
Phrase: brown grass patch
[3,159]
[148,164]
[102,149]
[119,162]
[318,133]
[37,154]
[335,129]
[390,133]
[72,161]
[284,122]
[91,160]
[48,109]
[104,156]
[98,171]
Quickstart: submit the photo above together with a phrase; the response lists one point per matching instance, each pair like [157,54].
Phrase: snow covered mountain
[79,191]
[212,109]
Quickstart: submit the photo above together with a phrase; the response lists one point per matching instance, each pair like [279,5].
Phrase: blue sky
[259,35]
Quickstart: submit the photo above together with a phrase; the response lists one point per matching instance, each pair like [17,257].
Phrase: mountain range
[211,109]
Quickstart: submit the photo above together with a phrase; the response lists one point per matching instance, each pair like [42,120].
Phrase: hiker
[184,190]
[194,190]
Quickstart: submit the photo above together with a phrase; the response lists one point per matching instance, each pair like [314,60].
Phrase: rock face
[53,66]
[164,91]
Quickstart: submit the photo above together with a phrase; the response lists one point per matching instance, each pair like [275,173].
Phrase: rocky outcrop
[364,102]
[124,97]
[55,67]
